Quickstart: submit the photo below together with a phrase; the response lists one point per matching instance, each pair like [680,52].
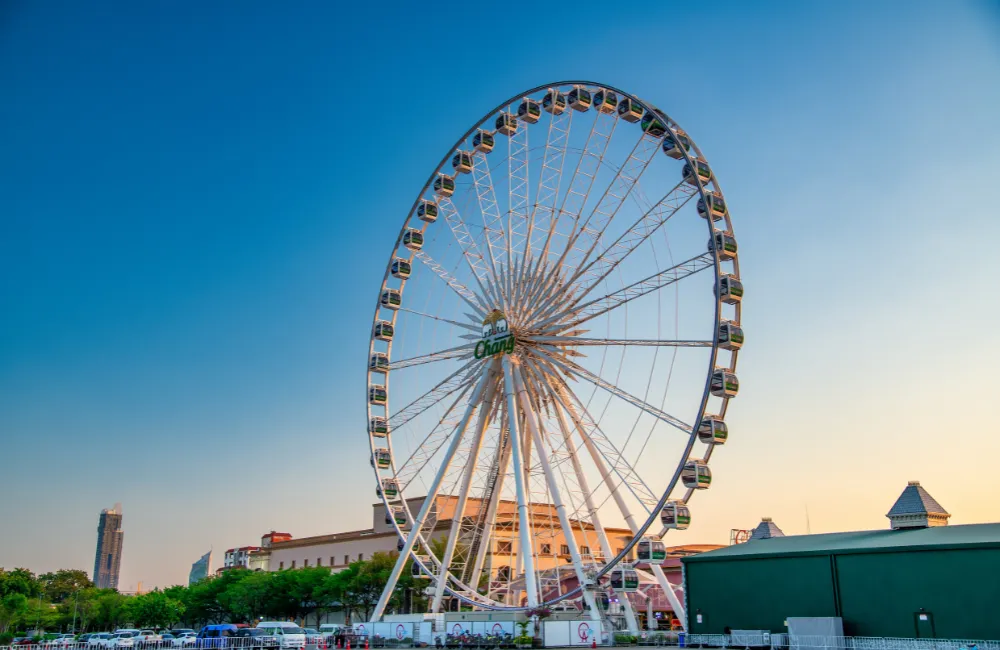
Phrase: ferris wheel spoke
[414,464]
[625,180]
[600,446]
[471,328]
[463,292]
[579,314]
[493,231]
[650,222]
[447,386]
[517,190]
[572,341]
[464,239]
[442,355]
[640,404]
[549,180]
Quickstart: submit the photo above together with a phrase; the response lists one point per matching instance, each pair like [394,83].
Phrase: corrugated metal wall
[877,594]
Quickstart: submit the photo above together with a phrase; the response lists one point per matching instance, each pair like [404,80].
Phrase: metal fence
[801,642]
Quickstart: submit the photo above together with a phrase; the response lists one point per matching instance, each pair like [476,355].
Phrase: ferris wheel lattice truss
[563,326]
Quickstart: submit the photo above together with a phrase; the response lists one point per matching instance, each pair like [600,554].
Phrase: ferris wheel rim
[689,158]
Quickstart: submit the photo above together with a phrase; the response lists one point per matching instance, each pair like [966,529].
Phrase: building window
[347,559]
[332,561]
[319,561]
[584,550]
[503,547]
[503,573]
[618,551]
[361,556]
[293,564]
[281,565]
[564,550]
[546,549]
[305,562]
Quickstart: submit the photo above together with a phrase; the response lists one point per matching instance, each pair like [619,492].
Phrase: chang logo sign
[497,338]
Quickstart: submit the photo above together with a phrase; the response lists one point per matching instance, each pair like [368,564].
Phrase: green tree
[13,607]
[58,586]
[248,599]
[154,609]
[19,581]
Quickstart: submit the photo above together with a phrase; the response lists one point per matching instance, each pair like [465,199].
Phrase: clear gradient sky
[194,216]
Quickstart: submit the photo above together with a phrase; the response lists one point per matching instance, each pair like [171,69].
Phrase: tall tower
[109,548]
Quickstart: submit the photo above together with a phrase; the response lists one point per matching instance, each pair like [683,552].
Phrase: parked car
[184,639]
[313,636]
[177,631]
[215,636]
[289,635]
[256,638]
[146,638]
[120,640]
[166,640]
[83,638]
[97,639]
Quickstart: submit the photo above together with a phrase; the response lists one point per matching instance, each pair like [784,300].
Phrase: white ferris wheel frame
[501,374]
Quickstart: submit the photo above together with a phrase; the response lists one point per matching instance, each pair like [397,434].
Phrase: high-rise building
[109,548]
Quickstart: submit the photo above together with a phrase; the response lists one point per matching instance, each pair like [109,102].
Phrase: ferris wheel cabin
[378,427]
[427,211]
[629,110]
[671,146]
[696,475]
[529,111]
[444,185]
[624,579]
[713,430]
[390,488]
[401,268]
[654,123]
[580,98]
[730,336]
[651,550]
[554,102]
[724,383]
[730,289]
[416,571]
[605,101]
[462,162]
[506,123]
[379,362]
[716,206]
[483,141]
[704,173]
[397,514]
[382,458]
[723,243]
[391,299]
[383,330]
[377,395]
[413,239]
[675,515]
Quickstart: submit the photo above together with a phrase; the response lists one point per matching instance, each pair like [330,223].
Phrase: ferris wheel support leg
[491,516]
[463,497]
[668,589]
[543,458]
[522,497]
[432,491]
[633,626]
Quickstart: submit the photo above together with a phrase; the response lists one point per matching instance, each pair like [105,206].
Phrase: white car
[121,640]
[145,637]
[289,635]
[97,640]
[185,639]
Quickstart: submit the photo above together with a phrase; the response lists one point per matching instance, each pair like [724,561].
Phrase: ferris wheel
[561,343]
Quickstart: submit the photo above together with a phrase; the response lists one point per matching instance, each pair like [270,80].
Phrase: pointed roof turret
[915,508]
[766,529]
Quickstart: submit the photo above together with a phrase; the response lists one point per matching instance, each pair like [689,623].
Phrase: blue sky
[195,210]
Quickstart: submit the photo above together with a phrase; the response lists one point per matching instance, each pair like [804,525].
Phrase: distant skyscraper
[201,569]
[109,548]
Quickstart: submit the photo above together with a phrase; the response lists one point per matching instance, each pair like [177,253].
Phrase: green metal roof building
[912,581]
